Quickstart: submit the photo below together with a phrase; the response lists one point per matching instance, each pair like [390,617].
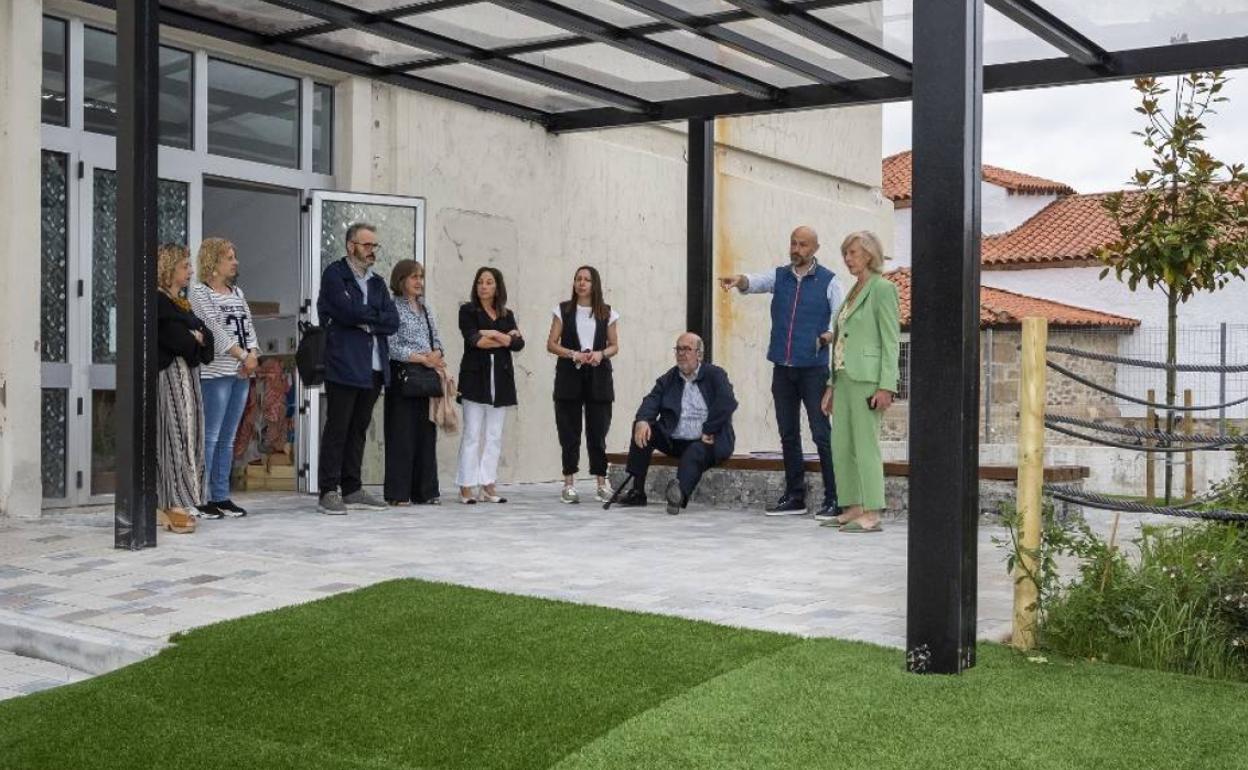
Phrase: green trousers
[856,445]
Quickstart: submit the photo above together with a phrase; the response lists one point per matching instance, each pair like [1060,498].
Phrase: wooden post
[1150,477]
[1189,475]
[1031,397]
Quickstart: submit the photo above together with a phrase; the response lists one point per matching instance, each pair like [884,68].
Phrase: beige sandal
[175,520]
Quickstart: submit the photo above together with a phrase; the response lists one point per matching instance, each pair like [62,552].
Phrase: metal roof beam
[393,13]
[1035,19]
[735,40]
[601,32]
[373,24]
[812,28]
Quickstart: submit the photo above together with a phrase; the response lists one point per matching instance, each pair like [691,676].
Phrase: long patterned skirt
[179,438]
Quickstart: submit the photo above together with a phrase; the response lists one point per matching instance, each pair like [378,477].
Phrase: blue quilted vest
[800,312]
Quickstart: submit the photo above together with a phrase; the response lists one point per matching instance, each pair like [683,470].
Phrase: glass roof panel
[1004,41]
[610,67]
[489,83]
[727,57]
[607,11]
[1122,24]
[362,46]
[484,25]
[252,14]
[884,24]
[783,39]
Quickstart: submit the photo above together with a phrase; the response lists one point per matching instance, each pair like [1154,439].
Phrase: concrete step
[84,648]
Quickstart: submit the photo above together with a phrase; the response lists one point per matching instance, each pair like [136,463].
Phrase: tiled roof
[998,307]
[1070,229]
[897,180]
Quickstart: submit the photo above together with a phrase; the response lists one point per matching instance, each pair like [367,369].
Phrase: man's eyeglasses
[684,349]
[372,246]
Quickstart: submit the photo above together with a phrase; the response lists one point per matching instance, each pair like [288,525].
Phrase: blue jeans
[224,401]
[794,387]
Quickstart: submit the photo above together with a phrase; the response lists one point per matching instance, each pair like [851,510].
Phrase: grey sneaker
[604,493]
[361,499]
[331,504]
[675,500]
[569,495]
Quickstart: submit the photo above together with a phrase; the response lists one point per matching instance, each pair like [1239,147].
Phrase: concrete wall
[535,205]
[20,76]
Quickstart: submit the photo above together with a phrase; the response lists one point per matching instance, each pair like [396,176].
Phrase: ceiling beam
[1035,19]
[393,13]
[601,32]
[662,11]
[389,29]
[817,30]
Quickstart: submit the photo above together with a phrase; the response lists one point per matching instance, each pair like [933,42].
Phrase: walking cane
[628,478]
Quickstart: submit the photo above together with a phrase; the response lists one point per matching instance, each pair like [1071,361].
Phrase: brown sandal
[175,520]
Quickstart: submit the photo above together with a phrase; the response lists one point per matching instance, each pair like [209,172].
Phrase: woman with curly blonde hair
[183,342]
[220,304]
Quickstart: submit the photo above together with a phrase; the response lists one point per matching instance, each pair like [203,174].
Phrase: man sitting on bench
[688,415]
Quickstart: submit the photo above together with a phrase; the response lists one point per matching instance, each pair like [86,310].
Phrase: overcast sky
[1080,135]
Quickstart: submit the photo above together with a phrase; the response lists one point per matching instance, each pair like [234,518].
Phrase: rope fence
[1112,359]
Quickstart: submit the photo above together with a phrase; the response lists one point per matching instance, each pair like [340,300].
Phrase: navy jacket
[662,406]
[800,312]
[343,313]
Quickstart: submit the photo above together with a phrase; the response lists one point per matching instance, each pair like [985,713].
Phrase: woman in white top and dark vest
[584,334]
[224,310]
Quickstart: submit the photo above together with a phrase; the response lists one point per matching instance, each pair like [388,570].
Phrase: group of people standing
[833,355]
[207,352]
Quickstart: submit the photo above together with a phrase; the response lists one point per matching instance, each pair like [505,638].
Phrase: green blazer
[871,334]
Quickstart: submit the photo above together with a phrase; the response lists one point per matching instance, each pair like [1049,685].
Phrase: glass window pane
[322,128]
[99,91]
[171,227]
[54,275]
[600,63]
[103,442]
[505,87]
[362,46]
[252,114]
[55,413]
[55,104]
[484,25]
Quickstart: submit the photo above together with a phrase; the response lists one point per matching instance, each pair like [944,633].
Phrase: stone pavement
[732,567]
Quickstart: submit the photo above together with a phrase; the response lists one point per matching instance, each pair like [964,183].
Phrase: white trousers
[481,444]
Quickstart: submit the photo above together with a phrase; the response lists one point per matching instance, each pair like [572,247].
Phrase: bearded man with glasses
[687,415]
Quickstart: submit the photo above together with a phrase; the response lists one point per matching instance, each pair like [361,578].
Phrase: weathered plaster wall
[20,70]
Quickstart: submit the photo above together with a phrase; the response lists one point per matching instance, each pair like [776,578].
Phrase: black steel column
[700,233]
[944,335]
[137,66]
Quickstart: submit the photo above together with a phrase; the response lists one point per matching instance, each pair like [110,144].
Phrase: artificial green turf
[409,674]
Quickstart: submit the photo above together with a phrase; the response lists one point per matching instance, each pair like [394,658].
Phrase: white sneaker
[569,494]
[604,493]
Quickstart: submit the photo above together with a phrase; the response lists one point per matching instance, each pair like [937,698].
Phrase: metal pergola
[572,65]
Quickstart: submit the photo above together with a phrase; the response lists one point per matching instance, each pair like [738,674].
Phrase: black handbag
[310,355]
[419,381]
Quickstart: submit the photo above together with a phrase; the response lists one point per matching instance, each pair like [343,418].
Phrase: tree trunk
[1172,323]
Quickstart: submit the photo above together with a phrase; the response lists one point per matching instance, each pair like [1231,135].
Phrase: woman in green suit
[862,383]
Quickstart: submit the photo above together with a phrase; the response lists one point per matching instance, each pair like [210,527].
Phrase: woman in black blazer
[487,383]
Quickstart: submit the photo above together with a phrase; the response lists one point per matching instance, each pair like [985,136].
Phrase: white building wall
[536,205]
[20,397]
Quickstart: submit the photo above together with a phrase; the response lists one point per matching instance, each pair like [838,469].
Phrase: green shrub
[1181,606]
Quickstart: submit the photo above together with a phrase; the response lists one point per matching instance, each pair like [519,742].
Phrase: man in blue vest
[804,302]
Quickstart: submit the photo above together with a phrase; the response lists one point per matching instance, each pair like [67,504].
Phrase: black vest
[589,383]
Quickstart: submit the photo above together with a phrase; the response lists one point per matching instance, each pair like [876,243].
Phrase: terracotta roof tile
[998,307]
[1070,229]
[897,180]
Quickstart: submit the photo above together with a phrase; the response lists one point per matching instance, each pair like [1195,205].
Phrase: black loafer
[635,498]
[675,500]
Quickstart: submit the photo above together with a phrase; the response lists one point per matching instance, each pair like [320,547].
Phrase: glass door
[400,223]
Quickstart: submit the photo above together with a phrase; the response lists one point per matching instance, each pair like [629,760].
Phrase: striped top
[414,335]
[229,319]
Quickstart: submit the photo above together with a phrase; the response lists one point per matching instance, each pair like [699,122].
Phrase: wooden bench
[756,479]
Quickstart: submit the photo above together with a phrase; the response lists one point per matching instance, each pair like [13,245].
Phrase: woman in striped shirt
[223,309]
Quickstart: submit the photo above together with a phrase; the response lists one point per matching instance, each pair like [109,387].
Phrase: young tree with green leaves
[1184,228]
